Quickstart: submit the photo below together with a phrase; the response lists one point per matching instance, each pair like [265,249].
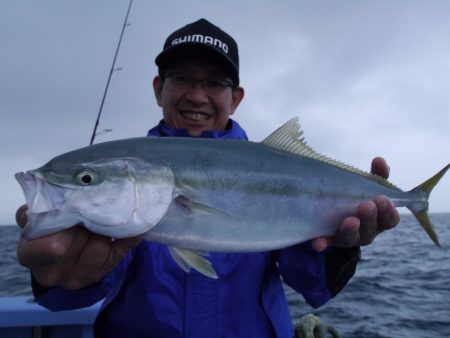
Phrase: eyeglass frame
[192,81]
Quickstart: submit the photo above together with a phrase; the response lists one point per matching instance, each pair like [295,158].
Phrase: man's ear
[157,88]
[237,96]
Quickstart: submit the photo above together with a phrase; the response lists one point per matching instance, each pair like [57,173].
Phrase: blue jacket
[148,295]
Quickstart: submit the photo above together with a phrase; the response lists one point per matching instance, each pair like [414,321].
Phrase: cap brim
[189,49]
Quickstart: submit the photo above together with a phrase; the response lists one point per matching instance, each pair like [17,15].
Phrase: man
[147,295]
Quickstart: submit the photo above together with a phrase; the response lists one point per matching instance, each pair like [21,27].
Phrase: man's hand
[372,218]
[72,258]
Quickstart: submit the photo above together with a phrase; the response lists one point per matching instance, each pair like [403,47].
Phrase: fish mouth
[40,195]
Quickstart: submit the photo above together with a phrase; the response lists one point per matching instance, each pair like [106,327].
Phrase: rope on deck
[310,326]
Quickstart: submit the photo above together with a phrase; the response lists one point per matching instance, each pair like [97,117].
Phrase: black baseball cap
[201,38]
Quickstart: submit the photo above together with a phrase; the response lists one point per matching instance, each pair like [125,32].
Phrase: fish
[200,195]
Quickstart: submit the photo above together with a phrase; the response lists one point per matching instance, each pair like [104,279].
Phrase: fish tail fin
[424,220]
[420,209]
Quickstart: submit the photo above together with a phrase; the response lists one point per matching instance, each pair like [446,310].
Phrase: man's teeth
[195,116]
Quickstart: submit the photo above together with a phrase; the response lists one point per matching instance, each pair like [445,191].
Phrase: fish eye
[86,177]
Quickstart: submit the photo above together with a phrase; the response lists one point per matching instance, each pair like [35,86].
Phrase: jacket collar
[233,131]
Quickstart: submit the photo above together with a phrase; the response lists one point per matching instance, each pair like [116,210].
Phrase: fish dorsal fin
[289,137]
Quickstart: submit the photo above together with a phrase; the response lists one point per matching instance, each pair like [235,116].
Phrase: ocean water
[14,279]
[401,287]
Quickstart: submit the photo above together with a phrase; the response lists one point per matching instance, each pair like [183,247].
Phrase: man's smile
[195,116]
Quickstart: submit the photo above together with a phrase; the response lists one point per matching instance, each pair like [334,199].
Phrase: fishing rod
[125,24]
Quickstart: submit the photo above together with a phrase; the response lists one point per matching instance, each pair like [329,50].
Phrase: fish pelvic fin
[187,259]
[420,209]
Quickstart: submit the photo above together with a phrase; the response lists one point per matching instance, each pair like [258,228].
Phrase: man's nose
[197,94]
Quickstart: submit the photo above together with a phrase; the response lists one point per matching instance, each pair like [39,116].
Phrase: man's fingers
[388,216]
[379,167]
[98,256]
[21,216]
[72,258]
[45,250]
[88,256]
[121,247]
[50,258]
[372,217]
[319,244]
[368,215]
[348,233]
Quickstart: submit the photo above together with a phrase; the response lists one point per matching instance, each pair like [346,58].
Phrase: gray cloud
[365,78]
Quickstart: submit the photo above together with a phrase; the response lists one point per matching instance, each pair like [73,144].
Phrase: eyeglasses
[184,81]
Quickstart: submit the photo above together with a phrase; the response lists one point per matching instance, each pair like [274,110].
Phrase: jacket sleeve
[60,299]
[340,265]
[317,276]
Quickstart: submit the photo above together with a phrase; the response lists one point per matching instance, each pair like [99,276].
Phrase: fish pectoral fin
[187,259]
[199,208]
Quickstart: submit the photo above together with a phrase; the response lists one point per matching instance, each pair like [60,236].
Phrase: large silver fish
[200,195]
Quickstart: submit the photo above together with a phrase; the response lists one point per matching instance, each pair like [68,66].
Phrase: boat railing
[21,317]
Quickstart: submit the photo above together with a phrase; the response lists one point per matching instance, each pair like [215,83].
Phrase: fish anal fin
[187,259]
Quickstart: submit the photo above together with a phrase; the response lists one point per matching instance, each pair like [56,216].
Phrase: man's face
[193,107]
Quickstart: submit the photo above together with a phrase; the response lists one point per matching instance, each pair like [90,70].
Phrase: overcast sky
[366,78]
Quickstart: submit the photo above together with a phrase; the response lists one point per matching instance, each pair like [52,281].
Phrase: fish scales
[267,199]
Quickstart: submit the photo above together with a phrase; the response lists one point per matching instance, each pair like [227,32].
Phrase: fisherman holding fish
[146,293]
